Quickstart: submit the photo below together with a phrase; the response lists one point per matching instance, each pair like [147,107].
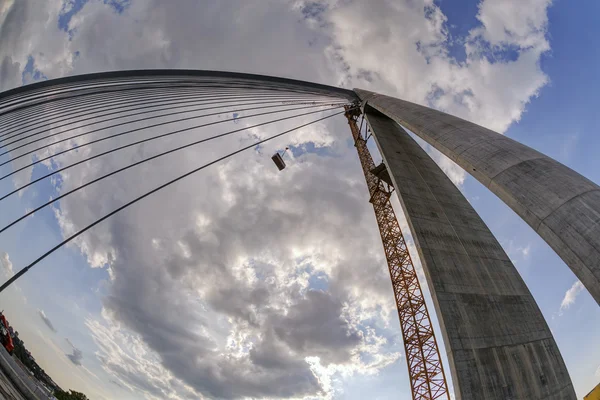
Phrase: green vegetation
[28,361]
[70,395]
[20,352]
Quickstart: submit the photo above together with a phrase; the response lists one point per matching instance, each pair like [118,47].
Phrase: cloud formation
[247,282]
[46,320]
[571,296]
[255,288]
[76,356]
[7,266]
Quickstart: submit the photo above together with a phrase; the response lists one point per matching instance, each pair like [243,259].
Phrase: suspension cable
[147,140]
[129,131]
[48,99]
[41,118]
[200,100]
[158,96]
[31,212]
[139,198]
[83,89]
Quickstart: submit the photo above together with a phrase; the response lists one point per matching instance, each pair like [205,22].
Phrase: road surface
[7,390]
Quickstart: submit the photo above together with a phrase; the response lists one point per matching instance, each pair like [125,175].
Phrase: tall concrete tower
[498,343]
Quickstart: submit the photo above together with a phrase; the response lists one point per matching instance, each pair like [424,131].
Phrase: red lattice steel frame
[426,373]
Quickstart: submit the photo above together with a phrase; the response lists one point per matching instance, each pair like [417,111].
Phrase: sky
[251,283]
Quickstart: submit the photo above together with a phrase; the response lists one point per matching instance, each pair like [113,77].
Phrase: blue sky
[551,106]
[563,123]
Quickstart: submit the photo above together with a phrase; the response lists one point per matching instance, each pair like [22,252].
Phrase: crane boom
[426,373]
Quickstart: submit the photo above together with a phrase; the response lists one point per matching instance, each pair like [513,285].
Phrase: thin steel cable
[362,120]
[24,104]
[97,85]
[97,97]
[44,110]
[201,100]
[59,106]
[65,87]
[134,164]
[131,130]
[89,104]
[45,99]
[138,142]
[139,198]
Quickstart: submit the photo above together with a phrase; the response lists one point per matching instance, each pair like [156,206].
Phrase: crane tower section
[426,373]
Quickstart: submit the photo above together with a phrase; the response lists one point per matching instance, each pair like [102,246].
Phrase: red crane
[5,337]
[426,373]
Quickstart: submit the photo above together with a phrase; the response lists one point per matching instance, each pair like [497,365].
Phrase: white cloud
[491,93]
[234,249]
[7,266]
[374,44]
[450,168]
[571,296]
[514,22]
[518,252]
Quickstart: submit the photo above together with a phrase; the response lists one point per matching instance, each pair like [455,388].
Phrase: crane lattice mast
[426,373]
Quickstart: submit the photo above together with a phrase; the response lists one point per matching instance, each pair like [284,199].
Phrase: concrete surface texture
[497,341]
[562,206]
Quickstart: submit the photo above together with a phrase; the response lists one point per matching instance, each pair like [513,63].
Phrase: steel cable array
[104,104]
